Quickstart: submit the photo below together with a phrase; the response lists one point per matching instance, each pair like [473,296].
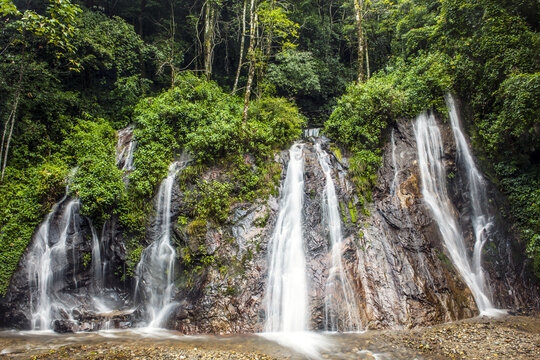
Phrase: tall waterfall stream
[434,190]
[287,298]
[155,272]
[341,309]
[48,264]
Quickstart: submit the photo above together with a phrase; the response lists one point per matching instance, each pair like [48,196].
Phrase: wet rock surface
[404,276]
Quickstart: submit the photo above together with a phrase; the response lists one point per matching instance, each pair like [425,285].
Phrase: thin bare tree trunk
[12,117]
[142,5]
[367,57]
[251,55]
[358,5]
[173,33]
[242,41]
[6,126]
[208,38]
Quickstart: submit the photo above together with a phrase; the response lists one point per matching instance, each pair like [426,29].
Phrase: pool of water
[293,346]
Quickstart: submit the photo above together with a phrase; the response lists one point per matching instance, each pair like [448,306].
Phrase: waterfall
[481,219]
[433,174]
[314,132]
[48,262]
[125,147]
[341,310]
[393,186]
[155,271]
[287,298]
[128,163]
[96,260]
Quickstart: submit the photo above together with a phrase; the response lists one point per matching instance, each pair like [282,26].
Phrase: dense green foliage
[364,113]
[97,181]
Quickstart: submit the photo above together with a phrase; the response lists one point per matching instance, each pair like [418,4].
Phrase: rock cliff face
[402,275]
[400,271]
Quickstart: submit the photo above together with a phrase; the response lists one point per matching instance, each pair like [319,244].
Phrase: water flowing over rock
[286,304]
[481,219]
[341,309]
[434,191]
[125,148]
[48,266]
[385,266]
[155,271]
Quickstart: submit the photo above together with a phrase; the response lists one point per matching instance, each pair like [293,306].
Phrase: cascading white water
[47,266]
[393,186]
[128,163]
[287,290]
[482,222]
[341,309]
[125,148]
[314,132]
[155,271]
[96,260]
[433,174]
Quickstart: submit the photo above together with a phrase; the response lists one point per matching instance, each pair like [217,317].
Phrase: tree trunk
[242,41]
[140,17]
[11,118]
[367,58]
[358,5]
[208,38]
[251,55]
[173,35]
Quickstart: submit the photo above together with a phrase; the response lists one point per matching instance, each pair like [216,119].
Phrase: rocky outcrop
[399,268]
[404,274]
[226,295]
[72,281]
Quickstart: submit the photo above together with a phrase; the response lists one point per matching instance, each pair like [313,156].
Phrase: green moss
[87,259]
[353,212]
[134,252]
[263,220]
[444,259]
[343,214]
[337,152]
[197,229]
[231,291]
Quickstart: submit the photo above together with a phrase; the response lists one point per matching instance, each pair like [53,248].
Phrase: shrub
[98,181]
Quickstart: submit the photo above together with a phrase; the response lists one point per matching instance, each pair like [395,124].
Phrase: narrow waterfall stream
[286,302]
[434,190]
[125,148]
[393,186]
[341,309]
[287,297]
[96,261]
[155,271]
[482,222]
[48,263]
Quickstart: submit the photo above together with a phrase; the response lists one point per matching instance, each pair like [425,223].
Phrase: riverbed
[508,337]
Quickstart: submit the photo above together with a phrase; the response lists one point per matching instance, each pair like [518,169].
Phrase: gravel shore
[509,337]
